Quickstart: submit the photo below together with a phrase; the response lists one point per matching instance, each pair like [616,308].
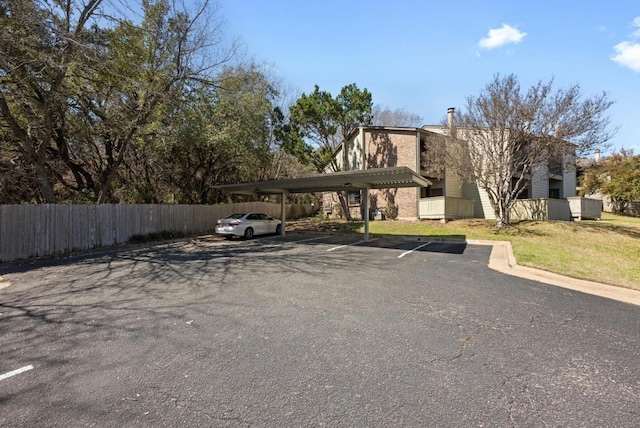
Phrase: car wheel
[248,233]
[278,229]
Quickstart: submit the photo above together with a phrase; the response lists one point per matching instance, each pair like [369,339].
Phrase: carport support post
[366,213]
[282,213]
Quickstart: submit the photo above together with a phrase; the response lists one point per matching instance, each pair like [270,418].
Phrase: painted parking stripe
[307,240]
[348,245]
[283,243]
[412,250]
[16,372]
[337,248]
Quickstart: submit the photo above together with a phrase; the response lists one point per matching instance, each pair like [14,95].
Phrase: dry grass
[607,250]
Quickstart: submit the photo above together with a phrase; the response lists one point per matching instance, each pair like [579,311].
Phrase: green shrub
[337,209]
[392,211]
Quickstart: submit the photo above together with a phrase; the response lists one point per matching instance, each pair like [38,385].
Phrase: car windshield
[237,215]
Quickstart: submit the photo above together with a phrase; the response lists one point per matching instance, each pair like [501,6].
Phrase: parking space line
[338,247]
[16,372]
[348,245]
[412,250]
[307,240]
[279,243]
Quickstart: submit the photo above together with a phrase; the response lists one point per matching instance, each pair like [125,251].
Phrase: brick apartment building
[448,197]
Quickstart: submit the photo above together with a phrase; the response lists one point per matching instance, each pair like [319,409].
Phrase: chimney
[597,156]
[450,112]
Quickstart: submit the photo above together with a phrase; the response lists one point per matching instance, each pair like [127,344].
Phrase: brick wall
[385,148]
[390,148]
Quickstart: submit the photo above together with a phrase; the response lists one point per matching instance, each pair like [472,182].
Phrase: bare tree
[505,134]
[385,116]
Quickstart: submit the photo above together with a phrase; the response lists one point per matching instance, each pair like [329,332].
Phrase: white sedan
[247,225]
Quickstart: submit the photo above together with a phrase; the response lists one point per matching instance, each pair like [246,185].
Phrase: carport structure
[356,180]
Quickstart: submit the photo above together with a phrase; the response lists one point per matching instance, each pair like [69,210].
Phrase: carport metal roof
[375,178]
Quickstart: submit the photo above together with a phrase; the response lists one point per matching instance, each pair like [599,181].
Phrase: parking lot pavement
[308,330]
[391,243]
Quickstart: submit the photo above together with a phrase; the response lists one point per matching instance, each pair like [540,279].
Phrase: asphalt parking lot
[308,330]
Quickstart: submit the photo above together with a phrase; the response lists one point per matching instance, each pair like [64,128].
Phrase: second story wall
[385,147]
[391,148]
[353,155]
[569,176]
[453,184]
[539,186]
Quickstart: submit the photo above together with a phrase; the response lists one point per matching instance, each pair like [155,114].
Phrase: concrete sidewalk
[503,260]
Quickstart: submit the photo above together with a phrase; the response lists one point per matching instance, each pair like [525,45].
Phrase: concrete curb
[503,260]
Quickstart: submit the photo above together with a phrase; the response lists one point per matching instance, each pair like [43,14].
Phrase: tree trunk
[501,205]
[45,185]
[344,202]
[503,213]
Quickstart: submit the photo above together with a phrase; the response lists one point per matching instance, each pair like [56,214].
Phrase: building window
[438,191]
[429,192]
[353,198]
[554,193]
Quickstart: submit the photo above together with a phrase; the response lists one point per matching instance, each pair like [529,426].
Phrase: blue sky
[426,56]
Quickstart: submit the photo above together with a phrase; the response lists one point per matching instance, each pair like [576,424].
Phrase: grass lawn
[606,250]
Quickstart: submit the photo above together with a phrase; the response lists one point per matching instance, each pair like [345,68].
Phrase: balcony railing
[541,209]
[444,207]
[585,208]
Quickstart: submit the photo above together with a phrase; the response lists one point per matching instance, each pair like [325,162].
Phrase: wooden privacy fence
[43,230]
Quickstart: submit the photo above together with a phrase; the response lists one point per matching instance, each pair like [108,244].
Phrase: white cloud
[501,36]
[627,55]
[605,30]
[636,23]
[628,52]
